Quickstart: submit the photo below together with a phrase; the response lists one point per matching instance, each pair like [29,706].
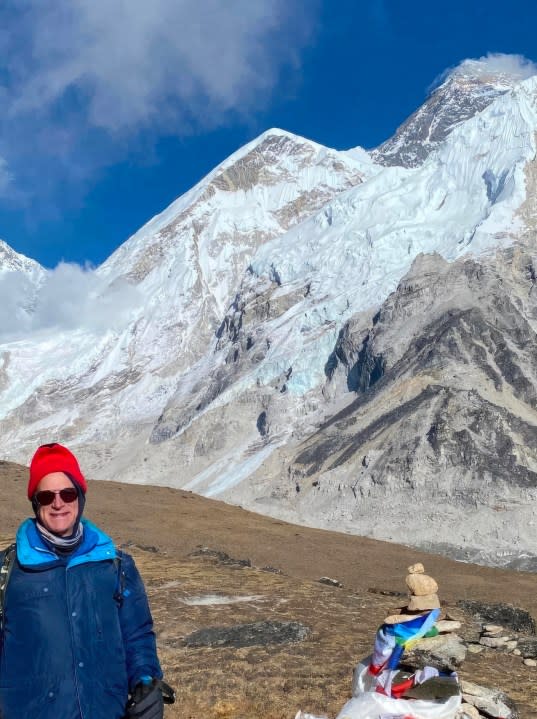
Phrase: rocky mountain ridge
[311,332]
[444,422]
[463,93]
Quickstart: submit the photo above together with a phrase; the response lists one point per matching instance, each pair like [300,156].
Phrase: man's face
[59,517]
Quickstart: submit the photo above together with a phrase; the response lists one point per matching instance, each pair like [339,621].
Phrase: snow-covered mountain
[464,92]
[11,261]
[238,328]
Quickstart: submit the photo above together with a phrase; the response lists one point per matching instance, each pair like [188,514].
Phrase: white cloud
[70,297]
[171,62]
[15,299]
[516,66]
[509,68]
[85,83]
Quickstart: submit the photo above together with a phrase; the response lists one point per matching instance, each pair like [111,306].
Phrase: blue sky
[113,108]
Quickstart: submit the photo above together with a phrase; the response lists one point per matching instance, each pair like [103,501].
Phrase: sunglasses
[46,496]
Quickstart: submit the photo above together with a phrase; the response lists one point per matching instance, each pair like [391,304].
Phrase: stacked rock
[495,636]
[423,589]
[446,651]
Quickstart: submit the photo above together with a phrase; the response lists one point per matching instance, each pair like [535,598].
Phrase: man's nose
[57,503]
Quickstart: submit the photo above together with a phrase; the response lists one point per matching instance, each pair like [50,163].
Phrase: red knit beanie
[54,458]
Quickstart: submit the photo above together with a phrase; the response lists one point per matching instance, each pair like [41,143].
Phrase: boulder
[247,635]
[456,615]
[399,618]
[426,601]
[527,647]
[467,711]
[491,702]
[471,630]
[446,652]
[476,648]
[518,620]
[494,642]
[492,630]
[446,626]
[330,582]
[421,585]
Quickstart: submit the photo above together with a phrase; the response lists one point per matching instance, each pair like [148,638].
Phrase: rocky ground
[207,564]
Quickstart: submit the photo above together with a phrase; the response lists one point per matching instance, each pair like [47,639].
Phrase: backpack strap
[5,573]
[120,581]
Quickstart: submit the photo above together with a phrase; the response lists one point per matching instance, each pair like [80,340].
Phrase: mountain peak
[269,140]
[498,71]
[11,261]
[456,96]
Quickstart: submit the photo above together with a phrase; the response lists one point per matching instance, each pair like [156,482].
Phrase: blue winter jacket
[72,648]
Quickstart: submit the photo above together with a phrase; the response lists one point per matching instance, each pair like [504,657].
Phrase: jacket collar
[32,552]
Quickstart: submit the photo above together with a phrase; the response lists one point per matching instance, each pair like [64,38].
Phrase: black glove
[146,701]
[168,694]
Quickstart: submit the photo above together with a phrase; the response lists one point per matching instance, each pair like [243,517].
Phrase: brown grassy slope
[273,682]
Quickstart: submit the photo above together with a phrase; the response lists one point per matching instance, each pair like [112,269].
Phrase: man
[77,630]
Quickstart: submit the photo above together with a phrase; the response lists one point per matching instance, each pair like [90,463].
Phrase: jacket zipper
[67,597]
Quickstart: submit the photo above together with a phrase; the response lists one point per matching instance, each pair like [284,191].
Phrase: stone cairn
[447,651]
[470,626]
[423,589]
